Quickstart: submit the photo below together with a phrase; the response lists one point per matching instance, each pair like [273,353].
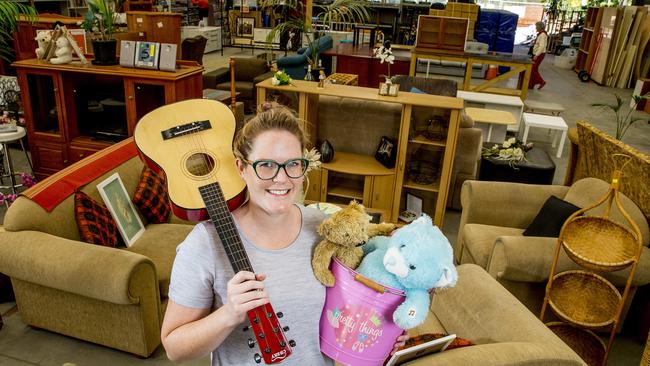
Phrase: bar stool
[5,139]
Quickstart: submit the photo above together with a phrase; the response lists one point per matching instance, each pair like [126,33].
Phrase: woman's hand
[401,341]
[245,292]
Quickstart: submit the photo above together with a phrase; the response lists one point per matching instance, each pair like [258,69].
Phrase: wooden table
[492,117]
[520,65]
[343,79]
[360,60]
[506,103]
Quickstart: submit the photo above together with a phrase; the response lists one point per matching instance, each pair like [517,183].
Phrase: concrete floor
[22,345]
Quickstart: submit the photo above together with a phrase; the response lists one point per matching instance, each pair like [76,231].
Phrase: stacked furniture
[497,28]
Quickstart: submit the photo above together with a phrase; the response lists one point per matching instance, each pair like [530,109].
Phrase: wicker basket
[422,172]
[599,243]
[584,298]
[583,342]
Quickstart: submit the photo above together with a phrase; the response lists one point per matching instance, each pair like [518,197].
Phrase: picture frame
[421,350]
[386,152]
[122,209]
[245,26]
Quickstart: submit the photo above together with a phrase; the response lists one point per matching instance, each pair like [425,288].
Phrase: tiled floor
[23,345]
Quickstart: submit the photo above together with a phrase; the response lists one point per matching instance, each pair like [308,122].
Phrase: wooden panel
[49,156]
[382,193]
[156,26]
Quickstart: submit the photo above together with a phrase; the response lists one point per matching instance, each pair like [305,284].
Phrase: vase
[326,152]
[104,52]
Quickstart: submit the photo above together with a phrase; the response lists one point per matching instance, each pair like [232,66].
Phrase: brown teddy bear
[344,232]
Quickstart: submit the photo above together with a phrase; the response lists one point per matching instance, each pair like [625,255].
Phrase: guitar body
[191,160]
[191,142]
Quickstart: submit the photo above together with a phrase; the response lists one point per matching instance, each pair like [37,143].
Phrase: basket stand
[597,244]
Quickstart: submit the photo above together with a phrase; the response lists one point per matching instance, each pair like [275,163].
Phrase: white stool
[545,121]
[543,107]
[5,139]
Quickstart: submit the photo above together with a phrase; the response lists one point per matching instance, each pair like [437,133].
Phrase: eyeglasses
[268,169]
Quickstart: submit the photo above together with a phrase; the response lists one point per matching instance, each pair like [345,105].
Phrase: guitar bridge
[186,129]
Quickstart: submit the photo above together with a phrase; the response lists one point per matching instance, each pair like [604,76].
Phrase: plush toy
[43,39]
[344,232]
[63,51]
[415,259]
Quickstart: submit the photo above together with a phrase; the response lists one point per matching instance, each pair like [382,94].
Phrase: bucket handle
[370,283]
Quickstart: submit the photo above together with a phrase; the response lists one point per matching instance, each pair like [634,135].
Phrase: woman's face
[275,195]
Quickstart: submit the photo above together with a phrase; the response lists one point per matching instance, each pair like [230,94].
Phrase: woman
[208,302]
[539,51]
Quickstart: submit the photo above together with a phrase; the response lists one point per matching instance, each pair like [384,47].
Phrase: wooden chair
[192,49]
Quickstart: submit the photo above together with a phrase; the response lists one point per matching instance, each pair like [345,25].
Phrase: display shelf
[589,41]
[350,163]
[433,187]
[345,192]
[595,308]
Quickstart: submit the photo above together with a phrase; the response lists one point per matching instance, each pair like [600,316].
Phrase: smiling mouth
[278,192]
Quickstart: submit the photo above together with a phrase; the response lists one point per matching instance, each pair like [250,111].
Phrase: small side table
[5,139]
[555,123]
[492,117]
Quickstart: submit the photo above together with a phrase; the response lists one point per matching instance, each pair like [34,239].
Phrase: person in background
[208,302]
[539,52]
[203,6]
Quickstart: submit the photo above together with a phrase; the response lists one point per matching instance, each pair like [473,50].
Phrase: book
[411,353]
[147,54]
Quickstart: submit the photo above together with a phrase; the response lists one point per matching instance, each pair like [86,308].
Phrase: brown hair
[270,116]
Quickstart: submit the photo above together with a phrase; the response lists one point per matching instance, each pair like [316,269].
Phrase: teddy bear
[414,259]
[63,51]
[43,39]
[343,234]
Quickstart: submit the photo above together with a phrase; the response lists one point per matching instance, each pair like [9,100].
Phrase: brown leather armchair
[248,72]
[193,48]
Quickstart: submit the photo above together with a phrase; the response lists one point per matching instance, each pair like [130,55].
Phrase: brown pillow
[95,223]
[151,197]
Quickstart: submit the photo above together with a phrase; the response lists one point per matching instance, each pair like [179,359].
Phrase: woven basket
[599,243]
[421,172]
[583,342]
[584,298]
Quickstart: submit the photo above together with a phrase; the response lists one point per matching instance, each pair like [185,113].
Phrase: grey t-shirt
[201,271]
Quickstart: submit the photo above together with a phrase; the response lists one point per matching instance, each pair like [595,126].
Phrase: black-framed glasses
[267,169]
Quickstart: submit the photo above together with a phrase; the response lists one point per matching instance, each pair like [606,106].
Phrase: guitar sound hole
[200,164]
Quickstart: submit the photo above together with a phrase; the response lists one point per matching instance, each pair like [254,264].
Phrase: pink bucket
[356,326]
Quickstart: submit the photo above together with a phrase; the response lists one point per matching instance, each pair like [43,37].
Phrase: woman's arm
[189,333]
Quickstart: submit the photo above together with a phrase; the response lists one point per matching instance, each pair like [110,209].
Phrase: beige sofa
[494,216]
[504,332]
[110,296]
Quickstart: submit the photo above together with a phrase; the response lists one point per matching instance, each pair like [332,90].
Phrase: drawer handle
[81,155]
[130,96]
[65,161]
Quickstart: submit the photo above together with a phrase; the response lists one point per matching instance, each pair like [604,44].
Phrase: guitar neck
[220,216]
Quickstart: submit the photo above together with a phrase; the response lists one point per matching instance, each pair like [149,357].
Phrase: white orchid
[385,54]
[510,150]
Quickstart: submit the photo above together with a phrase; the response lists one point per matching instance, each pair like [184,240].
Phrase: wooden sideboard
[360,176]
[74,110]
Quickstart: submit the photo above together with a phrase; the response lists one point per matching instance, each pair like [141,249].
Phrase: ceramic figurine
[63,51]
[321,79]
[43,39]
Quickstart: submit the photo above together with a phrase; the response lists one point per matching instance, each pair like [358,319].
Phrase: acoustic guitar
[191,142]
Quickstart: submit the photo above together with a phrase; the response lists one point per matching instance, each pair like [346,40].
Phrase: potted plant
[99,23]
[341,11]
[624,118]
[10,11]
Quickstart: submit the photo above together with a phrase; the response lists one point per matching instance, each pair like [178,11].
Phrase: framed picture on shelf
[245,27]
[386,152]
[122,209]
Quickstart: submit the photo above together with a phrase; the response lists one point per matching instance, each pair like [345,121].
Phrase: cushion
[550,218]
[94,221]
[416,90]
[151,197]
[478,241]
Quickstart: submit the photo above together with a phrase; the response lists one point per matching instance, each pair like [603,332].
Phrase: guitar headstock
[269,335]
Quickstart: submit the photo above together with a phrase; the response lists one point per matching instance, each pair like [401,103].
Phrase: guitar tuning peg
[257,358]
[251,342]
[286,328]
[246,328]
[267,350]
[279,314]
[292,343]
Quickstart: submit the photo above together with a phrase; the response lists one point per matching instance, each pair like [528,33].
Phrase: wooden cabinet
[430,142]
[589,40]
[441,33]
[73,110]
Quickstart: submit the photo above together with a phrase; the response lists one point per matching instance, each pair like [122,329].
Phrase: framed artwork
[122,209]
[245,27]
[386,152]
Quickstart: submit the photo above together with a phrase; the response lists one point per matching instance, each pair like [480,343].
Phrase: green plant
[625,116]
[100,19]
[9,13]
[343,11]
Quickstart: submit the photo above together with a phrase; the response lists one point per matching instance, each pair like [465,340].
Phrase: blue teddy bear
[415,259]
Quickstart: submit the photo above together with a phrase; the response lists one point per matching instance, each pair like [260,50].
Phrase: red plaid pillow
[151,197]
[95,223]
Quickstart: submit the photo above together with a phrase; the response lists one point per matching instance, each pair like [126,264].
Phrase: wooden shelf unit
[441,33]
[589,41]
[361,176]
[66,105]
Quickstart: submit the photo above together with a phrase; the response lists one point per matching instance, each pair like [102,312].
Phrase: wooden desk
[360,60]
[519,65]
[359,175]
